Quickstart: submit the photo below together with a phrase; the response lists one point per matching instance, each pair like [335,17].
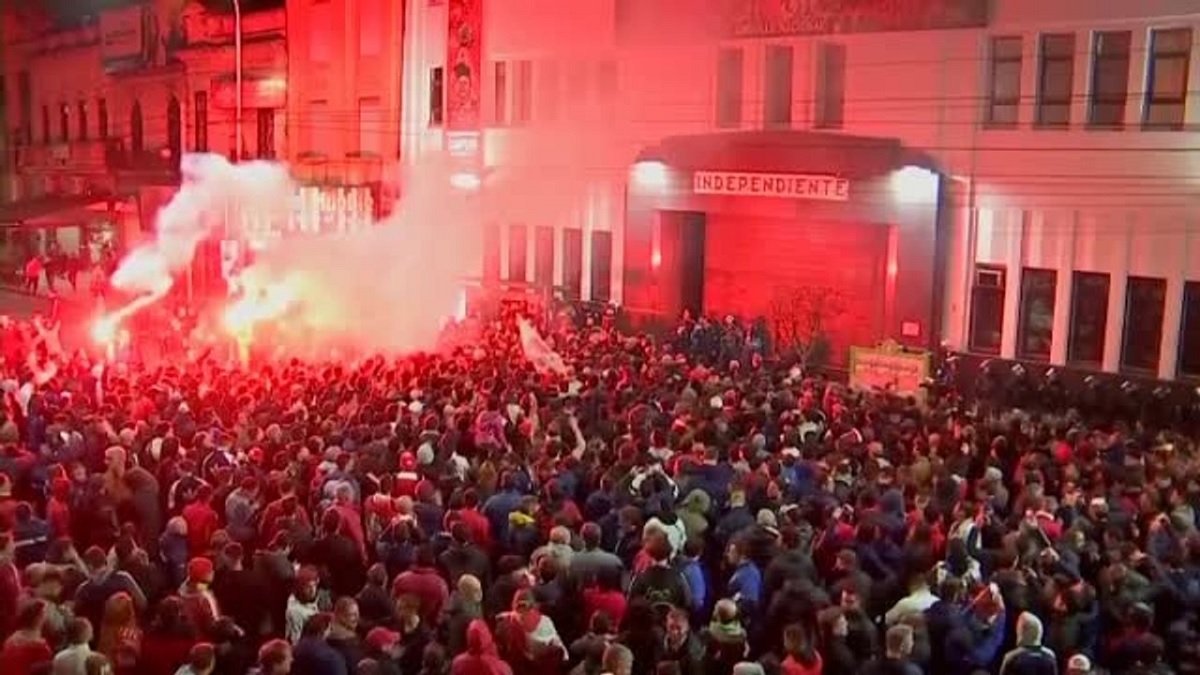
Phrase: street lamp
[237,76]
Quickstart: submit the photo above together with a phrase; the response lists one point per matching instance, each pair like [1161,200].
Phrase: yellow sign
[889,367]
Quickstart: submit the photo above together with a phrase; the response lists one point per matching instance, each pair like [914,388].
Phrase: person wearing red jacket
[477,523]
[481,657]
[351,519]
[423,581]
[202,522]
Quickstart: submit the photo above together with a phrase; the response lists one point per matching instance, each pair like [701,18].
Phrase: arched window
[136,138]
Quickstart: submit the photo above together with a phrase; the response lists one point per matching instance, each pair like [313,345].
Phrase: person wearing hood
[481,656]
[1029,657]
[693,512]
[727,642]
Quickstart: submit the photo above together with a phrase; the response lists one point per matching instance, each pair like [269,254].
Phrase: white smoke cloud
[211,191]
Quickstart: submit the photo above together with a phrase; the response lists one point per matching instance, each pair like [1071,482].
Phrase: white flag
[538,352]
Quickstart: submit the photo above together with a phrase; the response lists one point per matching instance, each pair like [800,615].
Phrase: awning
[786,151]
[50,210]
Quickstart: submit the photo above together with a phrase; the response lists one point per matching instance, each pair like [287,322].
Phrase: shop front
[788,226]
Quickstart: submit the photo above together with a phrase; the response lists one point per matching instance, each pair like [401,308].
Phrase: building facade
[345,91]
[1013,178]
[101,113]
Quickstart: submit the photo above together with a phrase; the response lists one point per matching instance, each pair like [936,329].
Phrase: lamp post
[237,76]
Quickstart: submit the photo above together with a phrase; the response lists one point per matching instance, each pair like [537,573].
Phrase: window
[831,87]
[318,127]
[200,133]
[572,256]
[518,262]
[1110,78]
[601,266]
[778,108]
[987,309]
[437,96]
[1056,73]
[491,251]
[1189,338]
[266,133]
[548,90]
[729,88]
[500,112]
[136,138]
[1089,318]
[320,42]
[102,118]
[1036,327]
[543,256]
[370,126]
[46,124]
[606,90]
[523,93]
[370,27]
[1004,98]
[1145,301]
[1167,79]
[83,121]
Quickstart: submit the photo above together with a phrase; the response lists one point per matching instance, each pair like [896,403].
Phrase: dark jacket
[314,656]
[1029,661]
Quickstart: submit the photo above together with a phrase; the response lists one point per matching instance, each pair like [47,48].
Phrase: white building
[1017,178]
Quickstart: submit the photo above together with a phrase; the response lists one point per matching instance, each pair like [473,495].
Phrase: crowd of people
[676,507]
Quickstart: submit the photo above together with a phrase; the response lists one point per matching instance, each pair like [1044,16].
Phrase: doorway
[680,258]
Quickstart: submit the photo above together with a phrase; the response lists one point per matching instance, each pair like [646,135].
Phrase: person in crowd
[274,658]
[26,652]
[72,659]
[313,655]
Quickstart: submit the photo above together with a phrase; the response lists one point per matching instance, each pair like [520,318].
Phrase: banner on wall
[768,18]
[889,367]
[464,61]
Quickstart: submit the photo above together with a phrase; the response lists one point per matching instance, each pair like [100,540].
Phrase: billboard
[464,61]
[128,37]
